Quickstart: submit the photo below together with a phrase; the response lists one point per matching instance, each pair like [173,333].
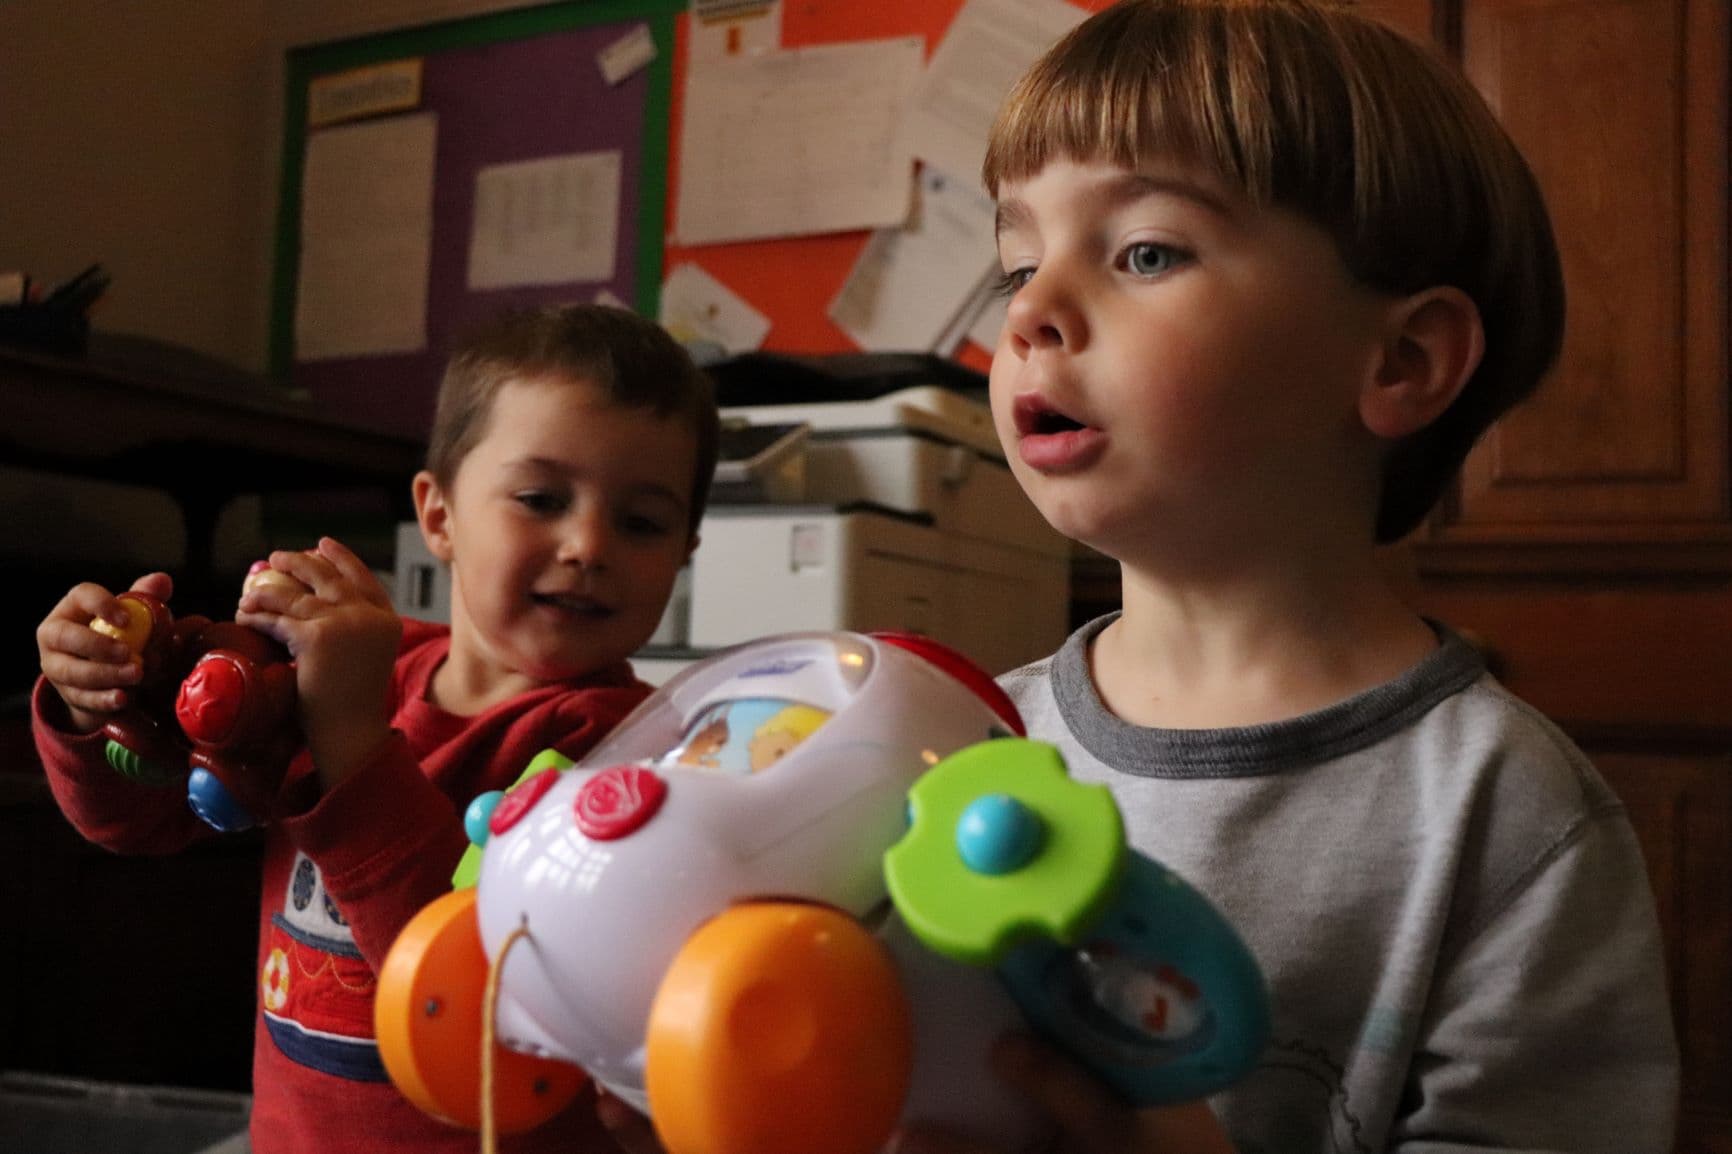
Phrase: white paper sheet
[989,45]
[366,239]
[697,306]
[722,28]
[627,55]
[554,220]
[962,323]
[794,143]
[909,284]
[989,319]
[394,86]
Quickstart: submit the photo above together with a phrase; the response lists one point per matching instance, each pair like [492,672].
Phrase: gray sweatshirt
[1448,903]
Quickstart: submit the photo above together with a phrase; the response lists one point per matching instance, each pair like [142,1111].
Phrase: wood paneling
[1620,107]
[1639,672]
[1413,17]
[1588,547]
[1681,806]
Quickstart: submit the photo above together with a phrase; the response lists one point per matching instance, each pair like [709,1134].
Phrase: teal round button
[1052,849]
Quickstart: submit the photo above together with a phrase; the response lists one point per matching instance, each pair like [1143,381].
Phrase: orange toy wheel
[427,1014]
[780,1028]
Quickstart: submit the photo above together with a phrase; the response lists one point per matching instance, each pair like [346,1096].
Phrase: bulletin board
[506,87]
[486,70]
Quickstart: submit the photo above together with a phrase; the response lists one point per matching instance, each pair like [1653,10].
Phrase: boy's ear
[1435,344]
[434,513]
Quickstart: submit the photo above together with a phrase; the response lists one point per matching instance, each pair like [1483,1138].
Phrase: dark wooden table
[141,412]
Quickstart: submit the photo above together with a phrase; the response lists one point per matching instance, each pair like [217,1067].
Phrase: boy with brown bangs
[1273,268]
[570,460]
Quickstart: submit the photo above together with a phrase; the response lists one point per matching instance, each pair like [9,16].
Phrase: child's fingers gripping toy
[214,710]
[791,902]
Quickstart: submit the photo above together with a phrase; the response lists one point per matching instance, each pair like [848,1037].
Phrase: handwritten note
[798,142]
[554,220]
[910,283]
[988,46]
[366,239]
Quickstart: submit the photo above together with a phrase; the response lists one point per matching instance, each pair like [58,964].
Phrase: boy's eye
[539,500]
[1013,280]
[642,525]
[1147,258]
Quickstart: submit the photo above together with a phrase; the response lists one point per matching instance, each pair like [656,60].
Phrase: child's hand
[1091,1119]
[343,634]
[89,670]
[630,1129]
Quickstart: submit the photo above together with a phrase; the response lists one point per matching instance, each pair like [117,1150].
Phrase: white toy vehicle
[791,902]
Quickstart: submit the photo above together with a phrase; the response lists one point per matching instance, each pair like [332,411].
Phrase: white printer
[891,508]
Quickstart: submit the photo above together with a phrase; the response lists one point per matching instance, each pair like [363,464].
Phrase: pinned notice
[360,92]
[554,220]
[799,142]
[366,239]
[629,54]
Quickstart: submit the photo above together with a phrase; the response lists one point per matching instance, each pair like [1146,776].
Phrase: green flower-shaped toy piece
[1003,845]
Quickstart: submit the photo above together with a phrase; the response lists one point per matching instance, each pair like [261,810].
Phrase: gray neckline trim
[1325,735]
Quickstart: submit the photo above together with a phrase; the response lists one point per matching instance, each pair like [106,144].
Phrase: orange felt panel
[792,280]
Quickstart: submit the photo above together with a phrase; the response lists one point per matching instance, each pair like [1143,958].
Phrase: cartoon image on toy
[705,745]
[791,902]
[779,736]
[215,711]
[1132,1005]
[746,736]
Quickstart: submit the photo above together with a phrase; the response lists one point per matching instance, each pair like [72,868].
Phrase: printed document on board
[794,143]
[551,220]
[366,239]
[988,46]
[909,283]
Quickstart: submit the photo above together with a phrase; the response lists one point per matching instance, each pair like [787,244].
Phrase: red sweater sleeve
[106,809]
[388,838]
[386,841]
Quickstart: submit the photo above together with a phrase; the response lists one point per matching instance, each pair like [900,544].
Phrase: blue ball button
[479,813]
[998,834]
[213,802]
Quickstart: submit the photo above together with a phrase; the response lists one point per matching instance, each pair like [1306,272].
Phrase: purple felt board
[495,103]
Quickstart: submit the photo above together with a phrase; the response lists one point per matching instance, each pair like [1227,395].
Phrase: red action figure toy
[216,699]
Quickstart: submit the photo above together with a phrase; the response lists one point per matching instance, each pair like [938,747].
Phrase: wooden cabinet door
[1414,17]
[1681,805]
[1589,539]
[1639,672]
[1621,108]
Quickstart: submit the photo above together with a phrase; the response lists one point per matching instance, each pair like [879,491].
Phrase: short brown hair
[1316,108]
[634,361]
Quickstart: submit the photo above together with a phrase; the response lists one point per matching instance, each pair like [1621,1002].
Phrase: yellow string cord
[489,1011]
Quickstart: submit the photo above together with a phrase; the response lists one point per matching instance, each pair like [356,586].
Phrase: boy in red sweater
[570,459]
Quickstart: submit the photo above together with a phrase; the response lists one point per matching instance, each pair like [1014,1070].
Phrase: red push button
[210,699]
[617,801]
[520,800]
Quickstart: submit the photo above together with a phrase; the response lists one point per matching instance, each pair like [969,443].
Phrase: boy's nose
[1042,315]
[584,540]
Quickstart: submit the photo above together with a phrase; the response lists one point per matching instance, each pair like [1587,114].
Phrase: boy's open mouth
[1053,442]
[1036,418]
[572,603]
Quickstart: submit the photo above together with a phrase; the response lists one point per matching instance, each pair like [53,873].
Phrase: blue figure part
[1162,999]
[479,813]
[212,801]
[997,834]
